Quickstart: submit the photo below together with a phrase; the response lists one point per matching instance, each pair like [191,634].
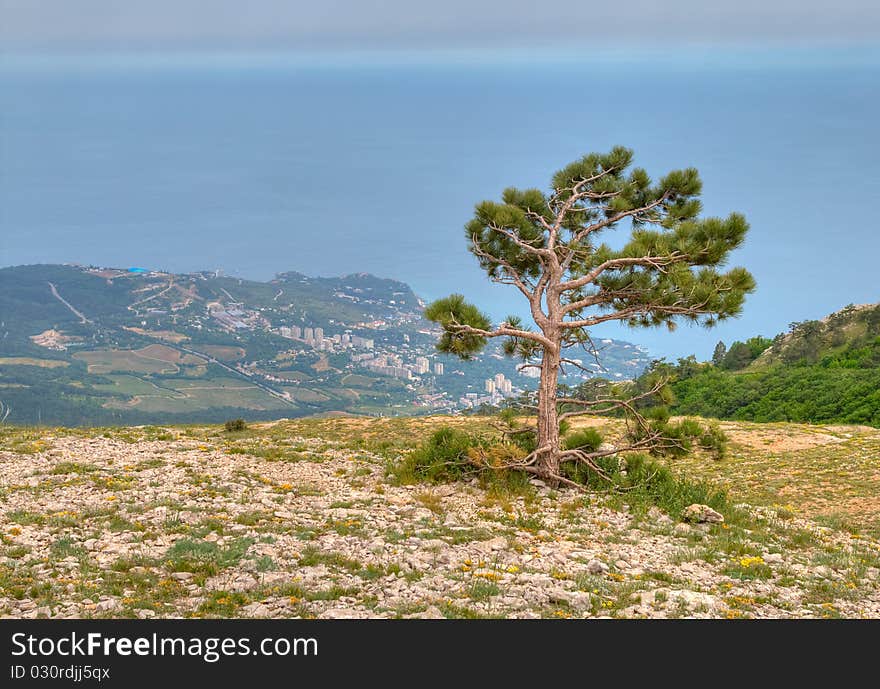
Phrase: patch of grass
[205,557]
[752,567]
[482,589]
[65,547]
[22,441]
[265,563]
[73,468]
[127,563]
[222,604]
[334,592]
[431,501]
[313,556]
[253,517]
[16,552]
[452,611]
[25,517]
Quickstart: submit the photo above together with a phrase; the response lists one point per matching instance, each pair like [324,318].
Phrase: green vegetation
[553,247]
[450,454]
[204,557]
[235,425]
[819,372]
[642,482]
[442,457]
[147,350]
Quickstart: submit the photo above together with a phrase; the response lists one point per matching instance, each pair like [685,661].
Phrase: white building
[422,365]
[362,342]
[438,369]
[490,385]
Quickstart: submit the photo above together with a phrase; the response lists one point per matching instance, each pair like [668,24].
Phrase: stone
[693,599]
[773,558]
[702,514]
[107,605]
[432,613]
[596,567]
[182,576]
[498,543]
[344,614]
[658,516]
[257,609]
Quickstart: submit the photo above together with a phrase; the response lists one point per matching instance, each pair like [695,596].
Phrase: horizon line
[708,53]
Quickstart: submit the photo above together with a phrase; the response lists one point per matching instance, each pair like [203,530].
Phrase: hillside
[303,519]
[95,345]
[845,338]
[825,371]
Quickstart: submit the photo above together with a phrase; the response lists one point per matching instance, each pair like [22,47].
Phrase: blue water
[261,167]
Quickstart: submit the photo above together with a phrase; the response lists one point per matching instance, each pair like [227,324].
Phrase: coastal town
[294,345]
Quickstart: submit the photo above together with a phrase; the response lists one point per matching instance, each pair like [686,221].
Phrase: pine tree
[719,353]
[547,246]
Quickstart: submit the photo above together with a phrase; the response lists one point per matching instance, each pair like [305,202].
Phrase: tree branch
[502,331]
[623,314]
[656,262]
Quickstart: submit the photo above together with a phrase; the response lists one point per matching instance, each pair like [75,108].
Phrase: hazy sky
[450,23]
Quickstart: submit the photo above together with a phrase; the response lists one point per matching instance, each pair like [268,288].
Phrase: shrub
[655,483]
[450,454]
[443,457]
[234,425]
[680,437]
[715,440]
[641,481]
[587,439]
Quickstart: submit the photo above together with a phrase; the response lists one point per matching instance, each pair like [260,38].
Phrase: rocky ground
[292,522]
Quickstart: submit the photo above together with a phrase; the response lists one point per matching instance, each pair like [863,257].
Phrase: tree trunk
[548,421]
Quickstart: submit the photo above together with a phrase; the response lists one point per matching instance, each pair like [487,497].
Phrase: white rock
[432,613]
[107,605]
[344,614]
[596,567]
[702,514]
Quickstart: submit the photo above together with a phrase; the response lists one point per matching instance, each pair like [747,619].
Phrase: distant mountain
[89,345]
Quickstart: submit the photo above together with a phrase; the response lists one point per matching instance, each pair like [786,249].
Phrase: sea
[255,164]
